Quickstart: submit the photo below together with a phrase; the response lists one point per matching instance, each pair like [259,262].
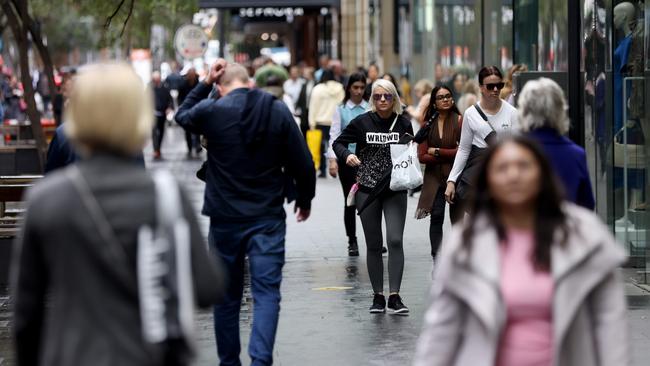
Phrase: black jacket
[254,148]
[373,137]
[74,302]
[162,98]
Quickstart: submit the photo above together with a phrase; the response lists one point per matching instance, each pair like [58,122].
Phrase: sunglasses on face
[443,97]
[492,86]
[387,97]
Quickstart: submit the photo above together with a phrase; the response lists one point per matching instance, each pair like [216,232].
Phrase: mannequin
[625,19]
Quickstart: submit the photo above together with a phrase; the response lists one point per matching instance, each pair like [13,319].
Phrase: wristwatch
[436,152]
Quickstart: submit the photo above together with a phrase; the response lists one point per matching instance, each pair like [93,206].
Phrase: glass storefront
[616,73]
[461,35]
[609,85]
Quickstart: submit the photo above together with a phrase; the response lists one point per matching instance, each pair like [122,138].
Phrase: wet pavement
[326,294]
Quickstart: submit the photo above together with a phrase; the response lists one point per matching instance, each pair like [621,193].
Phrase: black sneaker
[353,248]
[378,304]
[396,306]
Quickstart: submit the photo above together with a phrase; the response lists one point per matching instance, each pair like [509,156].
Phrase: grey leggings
[393,206]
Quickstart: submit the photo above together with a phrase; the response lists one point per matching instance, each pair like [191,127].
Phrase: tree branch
[128,16]
[110,18]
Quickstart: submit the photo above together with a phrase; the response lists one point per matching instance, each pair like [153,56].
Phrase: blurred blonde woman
[507,93]
[86,279]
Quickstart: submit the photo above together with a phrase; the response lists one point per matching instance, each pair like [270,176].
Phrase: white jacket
[324,99]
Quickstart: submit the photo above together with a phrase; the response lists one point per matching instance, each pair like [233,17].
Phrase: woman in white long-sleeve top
[482,122]
[528,279]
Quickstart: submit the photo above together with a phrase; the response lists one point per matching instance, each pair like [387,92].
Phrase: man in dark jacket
[256,153]
[188,83]
[163,102]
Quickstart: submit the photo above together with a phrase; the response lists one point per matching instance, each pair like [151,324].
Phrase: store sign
[190,41]
[271,12]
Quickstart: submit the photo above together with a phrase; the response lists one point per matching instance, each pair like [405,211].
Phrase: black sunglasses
[492,86]
[443,97]
[377,97]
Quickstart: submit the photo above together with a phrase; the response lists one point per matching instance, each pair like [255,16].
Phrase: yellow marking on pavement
[332,288]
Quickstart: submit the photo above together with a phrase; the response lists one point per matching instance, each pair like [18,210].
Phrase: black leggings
[438,218]
[393,206]
[347,176]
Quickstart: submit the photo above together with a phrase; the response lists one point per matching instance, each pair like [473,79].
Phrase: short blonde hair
[390,88]
[109,109]
[424,85]
[542,104]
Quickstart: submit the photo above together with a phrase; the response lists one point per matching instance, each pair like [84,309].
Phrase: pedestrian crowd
[527,275]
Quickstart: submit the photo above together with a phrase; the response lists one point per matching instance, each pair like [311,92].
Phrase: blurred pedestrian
[353,105]
[302,106]
[84,283]
[507,93]
[457,84]
[323,63]
[405,87]
[325,97]
[293,85]
[471,92]
[542,113]
[437,151]
[481,125]
[528,279]
[373,133]
[339,73]
[163,103]
[391,78]
[256,157]
[422,90]
[189,80]
[373,75]
[271,79]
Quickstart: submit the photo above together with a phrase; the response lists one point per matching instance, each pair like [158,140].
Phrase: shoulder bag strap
[480,111]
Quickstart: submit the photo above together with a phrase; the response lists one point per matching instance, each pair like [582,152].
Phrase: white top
[475,129]
[335,129]
[293,87]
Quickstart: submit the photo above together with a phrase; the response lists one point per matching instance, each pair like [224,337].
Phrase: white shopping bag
[406,173]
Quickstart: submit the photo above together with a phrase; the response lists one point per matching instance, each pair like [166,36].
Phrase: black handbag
[466,181]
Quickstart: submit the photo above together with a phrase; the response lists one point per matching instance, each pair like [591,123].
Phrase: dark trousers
[191,140]
[348,176]
[263,242]
[324,145]
[158,132]
[438,218]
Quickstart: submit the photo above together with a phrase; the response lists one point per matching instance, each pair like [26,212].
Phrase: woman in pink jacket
[529,279]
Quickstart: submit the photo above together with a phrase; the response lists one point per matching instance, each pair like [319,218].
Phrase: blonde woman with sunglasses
[373,133]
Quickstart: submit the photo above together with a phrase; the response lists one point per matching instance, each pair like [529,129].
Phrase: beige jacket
[323,101]
[464,322]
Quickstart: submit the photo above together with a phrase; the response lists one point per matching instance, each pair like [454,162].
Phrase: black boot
[353,247]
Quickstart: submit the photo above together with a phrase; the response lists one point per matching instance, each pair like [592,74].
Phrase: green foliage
[70,24]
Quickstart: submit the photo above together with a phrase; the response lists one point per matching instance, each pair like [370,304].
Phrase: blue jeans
[263,242]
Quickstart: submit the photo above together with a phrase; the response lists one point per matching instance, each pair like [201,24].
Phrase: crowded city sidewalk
[324,318]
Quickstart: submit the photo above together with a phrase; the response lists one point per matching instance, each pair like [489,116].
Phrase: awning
[229,4]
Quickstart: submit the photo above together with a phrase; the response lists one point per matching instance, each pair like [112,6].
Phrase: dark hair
[488,71]
[354,78]
[327,75]
[549,216]
[431,108]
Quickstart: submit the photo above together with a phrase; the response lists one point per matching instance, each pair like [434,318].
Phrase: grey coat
[464,322]
[74,303]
